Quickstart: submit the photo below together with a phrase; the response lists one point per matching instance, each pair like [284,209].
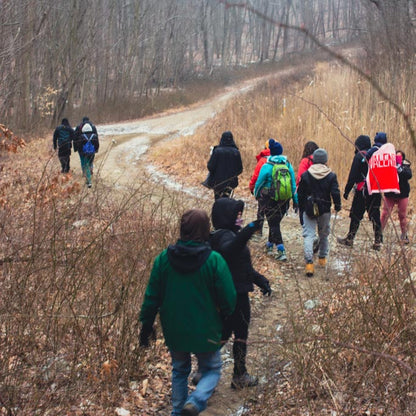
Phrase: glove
[266,290]
[400,169]
[345,195]
[255,224]
[145,334]
[296,207]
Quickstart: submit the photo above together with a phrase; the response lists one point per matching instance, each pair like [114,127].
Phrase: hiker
[261,201]
[362,201]
[276,205]
[402,199]
[305,163]
[86,143]
[191,287]
[230,240]
[316,188]
[224,166]
[63,137]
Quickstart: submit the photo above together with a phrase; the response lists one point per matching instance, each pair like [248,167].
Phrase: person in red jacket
[261,160]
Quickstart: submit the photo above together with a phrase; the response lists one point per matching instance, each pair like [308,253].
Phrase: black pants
[237,324]
[364,202]
[64,163]
[275,211]
[261,209]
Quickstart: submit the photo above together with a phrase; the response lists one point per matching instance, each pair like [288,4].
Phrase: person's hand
[296,207]
[255,224]
[345,195]
[144,336]
[266,290]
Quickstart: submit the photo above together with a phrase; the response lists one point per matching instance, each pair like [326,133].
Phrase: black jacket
[225,164]
[63,137]
[323,187]
[405,173]
[359,166]
[231,242]
[80,139]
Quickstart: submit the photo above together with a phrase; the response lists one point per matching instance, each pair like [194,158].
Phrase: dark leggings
[275,211]
[238,324]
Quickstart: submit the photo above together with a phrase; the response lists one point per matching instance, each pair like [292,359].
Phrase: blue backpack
[88,148]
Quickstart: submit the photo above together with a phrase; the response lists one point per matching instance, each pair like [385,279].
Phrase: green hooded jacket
[191,287]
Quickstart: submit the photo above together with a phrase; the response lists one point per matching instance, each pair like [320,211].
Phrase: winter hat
[85,119]
[195,225]
[65,122]
[362,142]
[380,137]
[276,148]
[86,128]
[320,156]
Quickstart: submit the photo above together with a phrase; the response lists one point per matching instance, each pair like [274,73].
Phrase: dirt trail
[122,160]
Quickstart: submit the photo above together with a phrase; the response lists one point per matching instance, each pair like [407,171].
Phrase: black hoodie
[231,242]
[359,166]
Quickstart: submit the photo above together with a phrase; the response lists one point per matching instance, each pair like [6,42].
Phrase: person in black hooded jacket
[224,166]
[362,200]
[230,240]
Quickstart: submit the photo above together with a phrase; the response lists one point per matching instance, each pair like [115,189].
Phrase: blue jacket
[265,176]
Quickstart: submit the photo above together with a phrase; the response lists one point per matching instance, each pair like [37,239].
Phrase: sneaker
[189,410]
[345,241]
[243,381]
[322,261]
[281,255]
[269,249]
[404,239]
[309,269]
[377,246]
[89,185]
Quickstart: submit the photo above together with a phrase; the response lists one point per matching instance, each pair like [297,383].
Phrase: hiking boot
[281,255]
[309,269]
[345,241]
[189,410]
[196,378]
[377,246]
[322,261]
[243,381]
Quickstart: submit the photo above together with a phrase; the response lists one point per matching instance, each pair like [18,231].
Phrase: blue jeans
[209,364]
[309,234]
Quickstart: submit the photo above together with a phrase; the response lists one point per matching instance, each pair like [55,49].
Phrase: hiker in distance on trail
[191,287]
[316,188]
[276,183]
[86,143]
[224,166]
[63,138]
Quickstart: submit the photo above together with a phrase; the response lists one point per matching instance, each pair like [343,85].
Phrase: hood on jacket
[227,139]
[188,256]
[277,159]
[319,171]
[263,153]
[362,143]
[224,213]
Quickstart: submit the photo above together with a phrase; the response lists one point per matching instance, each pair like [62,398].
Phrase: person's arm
[263,283]
[293,183]
[224,287]
[335,193]
[55,138]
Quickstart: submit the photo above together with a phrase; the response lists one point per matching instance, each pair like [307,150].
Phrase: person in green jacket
[192,288]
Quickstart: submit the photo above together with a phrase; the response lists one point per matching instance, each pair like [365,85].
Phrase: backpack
[88,148]
[281,185]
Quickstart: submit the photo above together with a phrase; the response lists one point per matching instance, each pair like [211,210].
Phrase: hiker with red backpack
[276,184]
[363,201]
[86,143]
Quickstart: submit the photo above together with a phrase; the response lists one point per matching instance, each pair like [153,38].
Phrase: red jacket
[304,165]
[261,160]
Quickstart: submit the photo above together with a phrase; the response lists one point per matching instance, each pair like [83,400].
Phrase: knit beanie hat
[276,148]
[380,137]
[320,156]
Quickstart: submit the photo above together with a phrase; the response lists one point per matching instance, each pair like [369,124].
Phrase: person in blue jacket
[275,210]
